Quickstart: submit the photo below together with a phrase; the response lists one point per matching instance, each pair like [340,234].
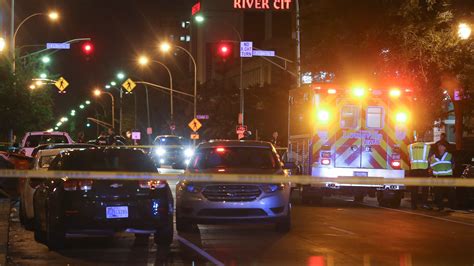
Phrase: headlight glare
[160,151]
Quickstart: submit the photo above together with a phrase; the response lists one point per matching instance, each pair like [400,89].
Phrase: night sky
[120,30]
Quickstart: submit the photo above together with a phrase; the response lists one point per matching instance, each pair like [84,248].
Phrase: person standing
[441,164]
[418,153]
[275,141]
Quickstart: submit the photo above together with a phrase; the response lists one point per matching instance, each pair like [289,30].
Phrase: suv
[67,205]
[31,140]
[169,150]
[205,202]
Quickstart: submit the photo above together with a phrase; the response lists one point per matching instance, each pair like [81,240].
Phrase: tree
[22,109]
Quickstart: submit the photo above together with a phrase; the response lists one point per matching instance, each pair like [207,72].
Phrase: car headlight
[188,152]
[270,188]
[160,151]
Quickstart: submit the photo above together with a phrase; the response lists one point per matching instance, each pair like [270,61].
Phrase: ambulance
[352,132]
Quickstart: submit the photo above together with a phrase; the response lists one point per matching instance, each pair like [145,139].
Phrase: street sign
[136,135]
[202,117]
[240,129]
[61,84]
[149,130]
[246,49]
[263,53]
[195,125]
[194,136]
[129,85]
[59,46]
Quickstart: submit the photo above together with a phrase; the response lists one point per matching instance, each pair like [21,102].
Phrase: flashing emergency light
[395,93]
[323,116]
[401,117]
[358,92]
[331,91]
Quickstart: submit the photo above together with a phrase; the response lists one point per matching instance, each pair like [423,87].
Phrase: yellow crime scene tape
[243,178]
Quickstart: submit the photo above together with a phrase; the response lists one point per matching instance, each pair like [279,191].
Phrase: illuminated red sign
[263,4]
[196,8]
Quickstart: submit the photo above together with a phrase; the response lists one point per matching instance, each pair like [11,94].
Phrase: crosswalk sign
[129,85]
[194,136]
[195,125]
[61,84]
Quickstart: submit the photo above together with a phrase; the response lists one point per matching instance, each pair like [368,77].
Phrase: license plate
[116,212]
[359,173]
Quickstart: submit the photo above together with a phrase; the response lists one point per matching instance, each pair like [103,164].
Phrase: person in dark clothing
[110,136]
[275,141]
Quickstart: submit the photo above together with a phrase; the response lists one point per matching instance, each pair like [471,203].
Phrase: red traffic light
[87,48]
[224,49]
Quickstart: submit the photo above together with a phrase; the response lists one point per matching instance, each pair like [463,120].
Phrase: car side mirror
[289,165]
[179,166]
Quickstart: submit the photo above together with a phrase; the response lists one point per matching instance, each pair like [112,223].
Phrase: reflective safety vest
[443,166]
[419,152]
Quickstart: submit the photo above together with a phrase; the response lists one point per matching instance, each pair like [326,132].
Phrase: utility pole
[298,44]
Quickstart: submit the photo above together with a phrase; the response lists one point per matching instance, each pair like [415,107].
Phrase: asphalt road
[336,232]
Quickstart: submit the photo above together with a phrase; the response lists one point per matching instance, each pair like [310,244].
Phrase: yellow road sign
[129,85]
[61,84]
[195,125]
[194,136]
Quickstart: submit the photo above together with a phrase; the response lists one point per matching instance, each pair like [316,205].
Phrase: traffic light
[224,50]
[87,48]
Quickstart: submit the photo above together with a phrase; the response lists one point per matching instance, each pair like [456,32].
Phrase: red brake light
[220,150]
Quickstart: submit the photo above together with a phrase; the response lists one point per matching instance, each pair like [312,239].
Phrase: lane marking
[420,214]
[200,251]
[342,230]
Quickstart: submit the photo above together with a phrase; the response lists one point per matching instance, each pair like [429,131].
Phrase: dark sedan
[71,206]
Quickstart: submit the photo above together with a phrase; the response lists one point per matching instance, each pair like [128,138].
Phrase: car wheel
[55,235]
[40,235]
[284,225]
[27,223]
[164,235]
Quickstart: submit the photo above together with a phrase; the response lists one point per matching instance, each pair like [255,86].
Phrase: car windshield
[108,160]
[175,141]
[35,140]
[234,157]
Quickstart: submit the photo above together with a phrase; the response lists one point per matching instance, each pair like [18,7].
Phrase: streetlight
[3,44]
[113,83]
[199,19]
[166,47]
[45,59]
[143,61]
[32,87]
[121,76]
[464,31]
[43,75]
[53,16]
[97,93]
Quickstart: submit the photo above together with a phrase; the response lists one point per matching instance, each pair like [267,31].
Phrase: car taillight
[396,164]
[326,161]
[74,185]
[152,184]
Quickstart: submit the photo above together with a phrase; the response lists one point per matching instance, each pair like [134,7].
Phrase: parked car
[43,156]
[170,149]
[33,139]
[222,202]
[107,205]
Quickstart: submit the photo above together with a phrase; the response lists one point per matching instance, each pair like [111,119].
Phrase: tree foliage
[22,109]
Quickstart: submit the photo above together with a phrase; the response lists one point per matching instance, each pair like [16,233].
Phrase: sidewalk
[4,227]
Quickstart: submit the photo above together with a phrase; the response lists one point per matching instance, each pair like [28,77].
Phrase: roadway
[336,232]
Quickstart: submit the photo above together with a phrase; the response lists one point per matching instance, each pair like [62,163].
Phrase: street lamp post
[52,16]
[97,93]
[165,47]
[143,60]
[200,19]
